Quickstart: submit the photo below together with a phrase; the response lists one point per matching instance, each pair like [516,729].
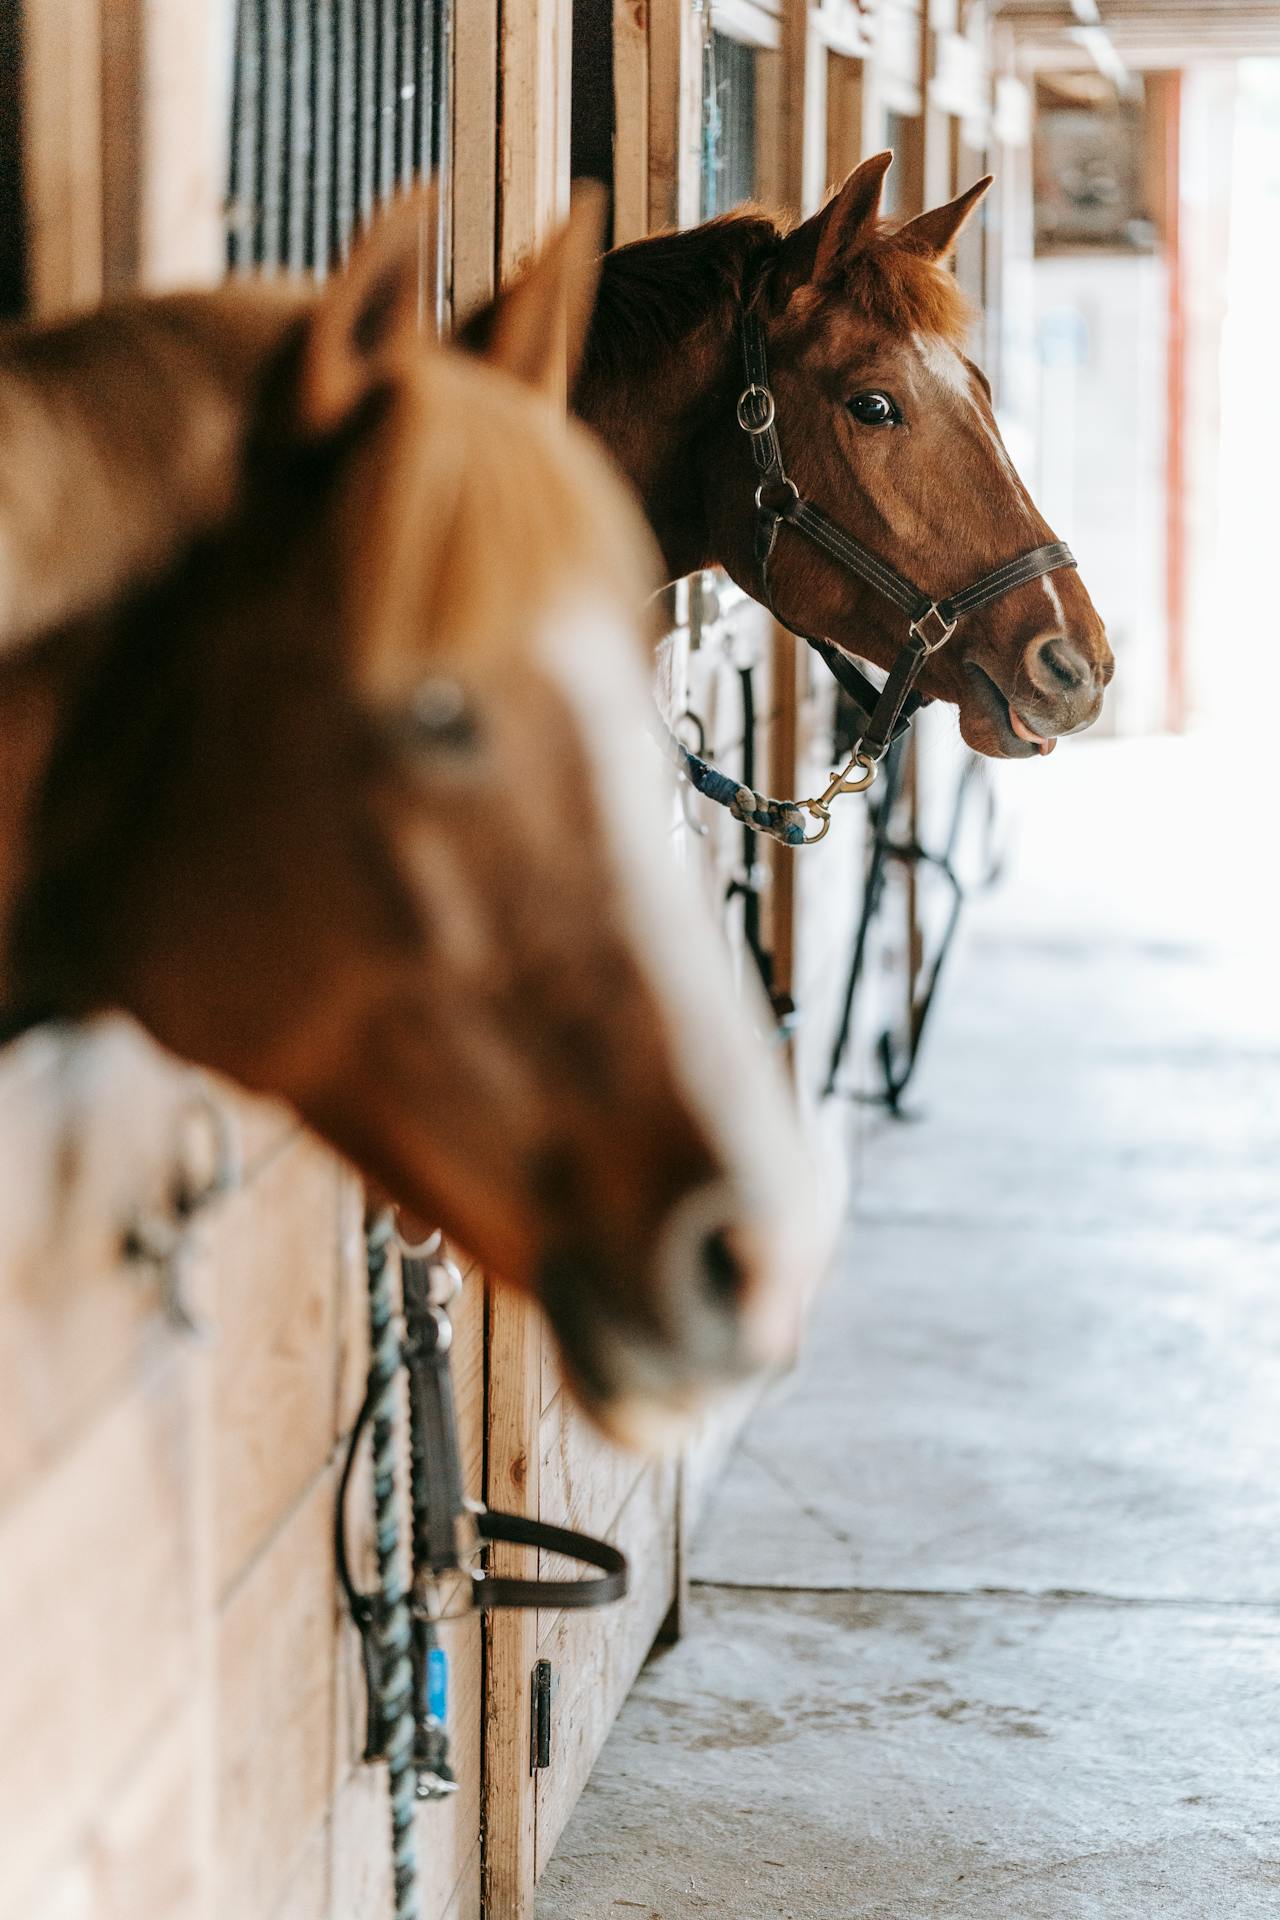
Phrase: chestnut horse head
[353,803]
[884,424]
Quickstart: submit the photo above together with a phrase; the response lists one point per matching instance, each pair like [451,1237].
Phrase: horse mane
[656,291]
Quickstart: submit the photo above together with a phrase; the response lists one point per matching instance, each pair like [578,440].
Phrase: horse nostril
[1065,662]
[723,1277]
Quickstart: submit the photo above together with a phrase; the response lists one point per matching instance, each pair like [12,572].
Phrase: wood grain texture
[675,113]
[272,1275]
[276,1649]
[448,1831]
[536,37]
[584,1483]
[595,1656]
[63,153]
[512,1483]
[99,1611]
[631,120]
[96,1127]
[181,233]
[87,1131]
[475,153]
[141,1853]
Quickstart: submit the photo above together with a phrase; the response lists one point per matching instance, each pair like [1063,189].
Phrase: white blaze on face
[726,1071]
[1055,601]
[946,365]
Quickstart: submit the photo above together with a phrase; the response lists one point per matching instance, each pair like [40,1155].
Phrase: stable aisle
[986,1620]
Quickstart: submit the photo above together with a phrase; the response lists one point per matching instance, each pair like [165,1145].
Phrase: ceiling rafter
[1142,33]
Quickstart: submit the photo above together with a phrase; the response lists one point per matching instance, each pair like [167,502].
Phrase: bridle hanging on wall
[405,1666]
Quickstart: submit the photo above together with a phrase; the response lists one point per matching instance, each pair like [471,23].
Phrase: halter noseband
[886,711]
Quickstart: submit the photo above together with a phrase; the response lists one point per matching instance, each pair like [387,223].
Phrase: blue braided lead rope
[782,820]
[394,1625]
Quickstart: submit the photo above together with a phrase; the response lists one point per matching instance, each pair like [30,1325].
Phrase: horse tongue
[1024,732]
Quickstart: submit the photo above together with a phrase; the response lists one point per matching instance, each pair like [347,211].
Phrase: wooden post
[62,153]
[514,1349]
[534,51]
[182,180]
[536,45]
[675,112]
[1168,106]
[475,153]
[631,120]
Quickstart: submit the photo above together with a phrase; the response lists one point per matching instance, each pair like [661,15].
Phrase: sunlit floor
[988,1621]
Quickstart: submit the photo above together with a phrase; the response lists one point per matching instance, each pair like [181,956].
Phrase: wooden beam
[536,45]
[631,120]
[675,113]
[514,1351]
[1170,99]
[475,153]
[62,153]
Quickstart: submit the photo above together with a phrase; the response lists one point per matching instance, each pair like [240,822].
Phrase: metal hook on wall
[208,1165]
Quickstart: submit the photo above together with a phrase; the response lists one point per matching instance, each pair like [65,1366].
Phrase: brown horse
[884,423]
[337,782]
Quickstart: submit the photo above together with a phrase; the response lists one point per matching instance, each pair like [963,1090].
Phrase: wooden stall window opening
[334,110]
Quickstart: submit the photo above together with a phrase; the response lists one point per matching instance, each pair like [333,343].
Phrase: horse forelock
[655,293]
[890,289]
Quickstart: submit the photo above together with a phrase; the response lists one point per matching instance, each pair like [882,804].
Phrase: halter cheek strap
[886,711]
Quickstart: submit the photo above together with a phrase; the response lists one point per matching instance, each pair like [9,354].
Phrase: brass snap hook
[820,809]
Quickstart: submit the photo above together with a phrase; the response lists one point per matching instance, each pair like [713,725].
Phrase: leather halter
[886,711]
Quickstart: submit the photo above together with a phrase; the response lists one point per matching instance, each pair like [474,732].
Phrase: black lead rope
[405,1666]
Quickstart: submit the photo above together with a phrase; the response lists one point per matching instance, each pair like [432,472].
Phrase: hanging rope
[780,819]
[392,1619]
[405,1665]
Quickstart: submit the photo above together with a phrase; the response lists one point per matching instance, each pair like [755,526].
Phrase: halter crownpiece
[886,711]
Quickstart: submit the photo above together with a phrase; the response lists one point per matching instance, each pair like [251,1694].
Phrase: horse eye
[874,410]
[439,719]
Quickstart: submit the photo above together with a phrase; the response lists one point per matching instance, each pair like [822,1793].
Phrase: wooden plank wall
[543,1457]
[181,1698]
[180,1711]
[181,1736]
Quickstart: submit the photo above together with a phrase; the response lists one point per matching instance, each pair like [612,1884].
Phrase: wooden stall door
[544,1458]
[181,1693]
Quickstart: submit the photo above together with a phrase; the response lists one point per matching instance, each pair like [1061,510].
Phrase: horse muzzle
[646,1346]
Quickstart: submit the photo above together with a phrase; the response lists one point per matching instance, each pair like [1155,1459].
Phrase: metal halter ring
[745,419]
[948,628]
[790,489]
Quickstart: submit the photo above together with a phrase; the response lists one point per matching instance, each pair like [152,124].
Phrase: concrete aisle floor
[987,1620]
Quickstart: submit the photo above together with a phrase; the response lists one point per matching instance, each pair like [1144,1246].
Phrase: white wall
[1100,454]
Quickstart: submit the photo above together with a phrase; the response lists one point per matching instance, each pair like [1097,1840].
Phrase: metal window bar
[728,123]
[336,106]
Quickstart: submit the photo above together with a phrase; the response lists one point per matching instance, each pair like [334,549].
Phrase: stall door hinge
[540,1718]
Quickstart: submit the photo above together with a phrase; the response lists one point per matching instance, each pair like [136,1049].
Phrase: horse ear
[537,327]
[367,322]
[824,242]
[933,234]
